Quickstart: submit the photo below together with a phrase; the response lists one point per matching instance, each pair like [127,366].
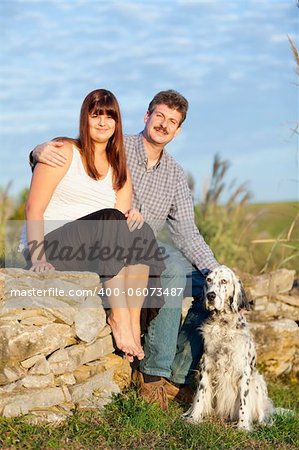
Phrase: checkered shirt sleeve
[184,232]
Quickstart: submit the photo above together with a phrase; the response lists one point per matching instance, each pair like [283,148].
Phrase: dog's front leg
[245,413]
[202,403]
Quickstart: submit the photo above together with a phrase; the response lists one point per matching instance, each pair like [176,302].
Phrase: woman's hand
[42,267]
[134,219]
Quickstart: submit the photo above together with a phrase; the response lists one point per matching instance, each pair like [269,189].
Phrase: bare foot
[120,324]
[137,336]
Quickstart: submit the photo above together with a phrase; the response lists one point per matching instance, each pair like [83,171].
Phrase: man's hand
[50,153]
[134,219]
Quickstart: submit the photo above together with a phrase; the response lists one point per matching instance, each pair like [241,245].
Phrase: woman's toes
[129,357]
[140,355]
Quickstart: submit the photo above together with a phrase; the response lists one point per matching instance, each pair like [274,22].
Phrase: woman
[90,194]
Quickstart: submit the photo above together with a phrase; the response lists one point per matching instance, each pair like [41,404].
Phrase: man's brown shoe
[183,393]
[153,392]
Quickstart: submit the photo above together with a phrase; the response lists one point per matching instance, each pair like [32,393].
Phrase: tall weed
[5,211]
[251,237]
[223,224]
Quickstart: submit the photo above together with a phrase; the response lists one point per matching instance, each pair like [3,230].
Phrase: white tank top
[76,195]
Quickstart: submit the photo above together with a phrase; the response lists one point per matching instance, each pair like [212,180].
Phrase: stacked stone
[56,350]
[274,320]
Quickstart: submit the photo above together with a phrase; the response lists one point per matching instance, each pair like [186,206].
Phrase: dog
[229,384]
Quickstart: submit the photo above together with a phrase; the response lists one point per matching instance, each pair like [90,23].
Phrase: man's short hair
[173,100]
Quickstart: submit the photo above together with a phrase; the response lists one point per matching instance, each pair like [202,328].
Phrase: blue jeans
[172,350]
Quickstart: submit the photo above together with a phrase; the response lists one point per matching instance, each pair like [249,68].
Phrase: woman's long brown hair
[102,101]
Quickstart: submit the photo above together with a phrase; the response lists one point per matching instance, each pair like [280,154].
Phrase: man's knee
[174,282]
[174,269]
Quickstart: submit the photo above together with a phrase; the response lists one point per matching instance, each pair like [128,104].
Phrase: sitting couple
[80,179]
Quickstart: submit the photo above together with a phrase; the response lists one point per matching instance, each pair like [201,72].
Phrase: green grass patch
[252,237]
[273,219]
[276,225]
[129,423]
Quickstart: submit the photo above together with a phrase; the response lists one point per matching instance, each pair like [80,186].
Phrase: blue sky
[231,59]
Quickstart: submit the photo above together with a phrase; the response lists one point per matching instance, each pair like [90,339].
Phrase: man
[161,194]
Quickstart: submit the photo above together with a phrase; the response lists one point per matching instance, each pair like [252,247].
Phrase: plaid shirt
[162,195]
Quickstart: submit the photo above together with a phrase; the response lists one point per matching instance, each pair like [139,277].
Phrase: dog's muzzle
[210,300]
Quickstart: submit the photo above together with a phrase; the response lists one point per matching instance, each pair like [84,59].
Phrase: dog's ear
[244,302]
[240,300]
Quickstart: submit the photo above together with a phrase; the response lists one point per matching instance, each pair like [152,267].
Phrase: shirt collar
[141,153]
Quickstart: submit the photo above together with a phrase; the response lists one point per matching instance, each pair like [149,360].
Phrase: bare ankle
[119,315]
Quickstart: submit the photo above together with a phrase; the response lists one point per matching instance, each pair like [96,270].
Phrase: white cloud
[236,75]
[279,37]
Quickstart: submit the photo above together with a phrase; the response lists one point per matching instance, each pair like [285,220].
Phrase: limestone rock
[90,319]
[10,374]
[7,314]
[37,381]
[66,393]
[97,349]
[277,345]
[120,368]
[122,371]
[57,308]
[14,404]
[66,378]
[97,383]
[83,373]
[69,287]
[36,320]
[6,389]
[105,331]
[266,308]
[82,279]
[41,367]
[68,359]
[19,342]
[27,363]
[270,284]
[291,299]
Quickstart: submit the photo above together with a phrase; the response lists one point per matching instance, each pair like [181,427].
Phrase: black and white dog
[229,386]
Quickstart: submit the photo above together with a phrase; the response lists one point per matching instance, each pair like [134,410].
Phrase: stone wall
[274,320]
[56,349]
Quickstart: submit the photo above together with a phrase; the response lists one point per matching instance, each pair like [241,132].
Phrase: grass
[275,242]
[129,423]
[254,238]
[273,218]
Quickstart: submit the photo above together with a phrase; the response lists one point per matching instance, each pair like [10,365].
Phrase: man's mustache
[161,128]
